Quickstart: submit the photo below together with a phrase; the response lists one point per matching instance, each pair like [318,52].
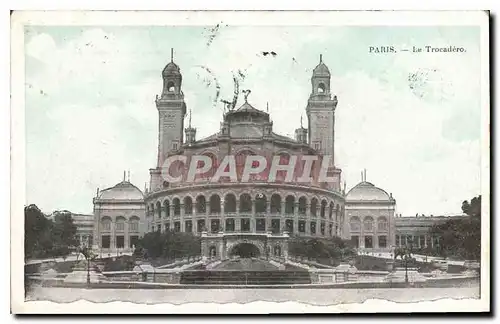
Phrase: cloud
[91,112]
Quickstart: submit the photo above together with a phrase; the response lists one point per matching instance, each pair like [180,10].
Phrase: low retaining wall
[159,275]
[457,282]
[335,276]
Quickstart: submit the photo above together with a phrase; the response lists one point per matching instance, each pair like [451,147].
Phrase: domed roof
[122,191]
[321,70]
[366,191]
[249,108]
[171,68]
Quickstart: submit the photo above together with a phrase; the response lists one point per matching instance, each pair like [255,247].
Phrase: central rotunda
[255,216]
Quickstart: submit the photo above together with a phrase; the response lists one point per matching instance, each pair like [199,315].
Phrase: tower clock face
[322,121]
[171,119]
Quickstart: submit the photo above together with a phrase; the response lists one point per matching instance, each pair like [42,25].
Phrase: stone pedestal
[345,272]
[144,267]
[470,273]
[399,275]
[49,274]
[314,277]
[438,273]
[390,265]
[80,274]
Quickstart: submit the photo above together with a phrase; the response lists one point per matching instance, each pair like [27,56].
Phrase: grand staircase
[245,272]
[238,277]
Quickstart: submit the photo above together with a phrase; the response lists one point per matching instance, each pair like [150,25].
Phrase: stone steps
[278,277]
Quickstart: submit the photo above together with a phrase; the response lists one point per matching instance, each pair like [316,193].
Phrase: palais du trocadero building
[256,216]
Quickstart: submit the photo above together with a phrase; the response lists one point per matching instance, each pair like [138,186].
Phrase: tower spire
[320,58]
[365,174]
[124,172]
[301,121]
[128,175]
[172,54]
[190,114]
[267,107]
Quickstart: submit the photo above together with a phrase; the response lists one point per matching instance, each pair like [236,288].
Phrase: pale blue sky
[90,110]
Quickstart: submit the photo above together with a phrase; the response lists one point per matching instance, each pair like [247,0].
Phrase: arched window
[212,251]
[337,213]
[355,224]
[382,224]
[177,206]
[171,86]
[120,224]
[275,204]
[260,203]
[133,224]
[213,168]
[245,203]
[330,210]
[314,207]
[277,250]
[284,160]
[302,205]
[323,208]
[188,205]
[158,210]
[166,206]
[106,224]
[289,204]
[368,223]
[215,204]
[240,160]
[201,205]
[230,204]
[176,169]
[321,88]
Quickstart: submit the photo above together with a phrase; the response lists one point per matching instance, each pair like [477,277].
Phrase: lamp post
[88,272]
[86,253]
[405,254]
[406,266]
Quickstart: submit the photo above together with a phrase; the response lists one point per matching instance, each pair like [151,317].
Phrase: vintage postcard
[250,162]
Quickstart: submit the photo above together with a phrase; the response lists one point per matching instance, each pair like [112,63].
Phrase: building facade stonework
[119,214]
[370,217]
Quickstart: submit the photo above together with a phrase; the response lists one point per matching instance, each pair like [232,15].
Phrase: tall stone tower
[172,110]
[321,112]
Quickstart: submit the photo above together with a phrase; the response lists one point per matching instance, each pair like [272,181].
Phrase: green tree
[45,237]
[461,237]
[473,208]
[37,228]
[323,250]
[63,233]
[168,245]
